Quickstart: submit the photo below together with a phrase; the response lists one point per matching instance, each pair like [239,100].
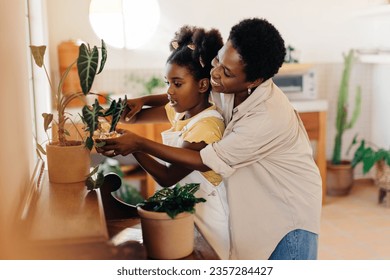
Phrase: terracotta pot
[166,238]
[339,178]
[68,164]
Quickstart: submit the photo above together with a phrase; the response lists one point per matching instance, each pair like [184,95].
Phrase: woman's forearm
[164,175]
[190,159]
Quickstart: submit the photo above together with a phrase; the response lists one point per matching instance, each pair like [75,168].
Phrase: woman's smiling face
[183,90]
[227,74]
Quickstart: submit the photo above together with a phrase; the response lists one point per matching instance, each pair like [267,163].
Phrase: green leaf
[92,183]
[94,170]
[104,57]
[87,63]
[90,116]
[38,52]
[359,153]
[368,160]
[174,200]
[100,144]
[116,109]
[89,143]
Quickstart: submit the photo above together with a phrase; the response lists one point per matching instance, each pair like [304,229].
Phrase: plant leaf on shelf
[38,53]
[47,119]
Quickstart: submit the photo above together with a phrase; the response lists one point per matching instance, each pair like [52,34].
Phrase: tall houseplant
[340,173]
[69,160]
[87,62]
[167,221]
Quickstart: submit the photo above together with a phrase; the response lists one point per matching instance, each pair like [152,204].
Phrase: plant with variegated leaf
[174,200]
[90,62]
[95,120]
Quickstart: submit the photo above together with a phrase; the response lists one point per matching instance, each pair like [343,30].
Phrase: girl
[195,124]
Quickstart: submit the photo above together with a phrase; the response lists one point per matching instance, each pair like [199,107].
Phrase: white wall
[320,29]
[16,161]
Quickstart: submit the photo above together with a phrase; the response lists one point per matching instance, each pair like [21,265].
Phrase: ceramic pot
[68,164]
[339,178]
[166,238]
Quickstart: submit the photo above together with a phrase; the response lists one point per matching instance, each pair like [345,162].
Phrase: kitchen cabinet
[313,114]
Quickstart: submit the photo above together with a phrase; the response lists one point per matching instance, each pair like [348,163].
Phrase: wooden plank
[67,213]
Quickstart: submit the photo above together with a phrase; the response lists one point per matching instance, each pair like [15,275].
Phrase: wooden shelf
[66,221]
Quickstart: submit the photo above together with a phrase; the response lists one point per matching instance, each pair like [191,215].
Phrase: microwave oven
[297,83]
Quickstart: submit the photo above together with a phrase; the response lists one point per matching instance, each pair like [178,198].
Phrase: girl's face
[185,94]
[227,74]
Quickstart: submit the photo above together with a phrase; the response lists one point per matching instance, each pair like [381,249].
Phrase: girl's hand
[122,145]
[133,107]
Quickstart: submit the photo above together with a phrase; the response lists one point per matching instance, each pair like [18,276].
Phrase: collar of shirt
[226,101]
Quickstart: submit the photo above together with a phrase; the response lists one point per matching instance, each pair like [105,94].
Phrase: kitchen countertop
[316,105]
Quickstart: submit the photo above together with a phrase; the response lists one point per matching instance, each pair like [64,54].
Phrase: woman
[265,157]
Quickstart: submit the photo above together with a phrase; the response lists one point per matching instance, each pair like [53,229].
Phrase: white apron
[212,216]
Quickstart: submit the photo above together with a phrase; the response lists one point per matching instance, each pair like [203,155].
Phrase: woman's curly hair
[195,48]
[260,46]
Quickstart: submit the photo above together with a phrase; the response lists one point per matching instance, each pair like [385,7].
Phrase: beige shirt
[273,184]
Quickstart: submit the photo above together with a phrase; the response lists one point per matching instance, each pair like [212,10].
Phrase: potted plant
[339,171]
[167,221]
[69,160]
[371,155]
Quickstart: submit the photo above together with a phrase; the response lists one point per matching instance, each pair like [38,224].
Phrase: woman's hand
[122,145]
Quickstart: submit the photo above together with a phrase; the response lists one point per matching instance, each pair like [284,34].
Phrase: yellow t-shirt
[208,130]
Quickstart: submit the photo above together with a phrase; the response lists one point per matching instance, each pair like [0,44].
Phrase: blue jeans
[296,245]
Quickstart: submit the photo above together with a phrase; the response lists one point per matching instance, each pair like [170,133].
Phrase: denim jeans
[296,245]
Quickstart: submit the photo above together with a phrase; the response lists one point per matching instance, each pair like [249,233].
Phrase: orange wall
[16,155]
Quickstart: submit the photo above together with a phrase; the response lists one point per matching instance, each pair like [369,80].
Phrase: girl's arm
[132,113]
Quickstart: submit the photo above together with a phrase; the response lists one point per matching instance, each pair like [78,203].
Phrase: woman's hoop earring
[249,91]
